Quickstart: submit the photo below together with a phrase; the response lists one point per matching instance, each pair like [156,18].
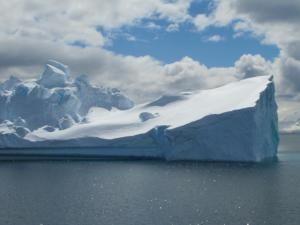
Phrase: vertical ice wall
[249,134]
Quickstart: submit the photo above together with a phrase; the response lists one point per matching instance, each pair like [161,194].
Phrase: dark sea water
[148,192]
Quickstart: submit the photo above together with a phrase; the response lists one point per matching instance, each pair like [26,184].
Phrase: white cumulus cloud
[215,38]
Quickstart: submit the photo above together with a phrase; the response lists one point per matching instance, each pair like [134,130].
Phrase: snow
[235,122]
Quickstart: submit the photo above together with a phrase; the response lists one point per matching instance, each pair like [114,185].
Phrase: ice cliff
[62,115]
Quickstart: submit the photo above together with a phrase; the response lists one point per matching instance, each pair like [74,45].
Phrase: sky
[152,47]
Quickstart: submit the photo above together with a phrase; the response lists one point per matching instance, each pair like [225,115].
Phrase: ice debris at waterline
[62,115]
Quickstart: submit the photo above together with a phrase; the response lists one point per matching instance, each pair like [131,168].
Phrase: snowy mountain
[235,122]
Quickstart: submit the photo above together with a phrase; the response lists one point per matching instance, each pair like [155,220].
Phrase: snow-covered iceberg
[59,115]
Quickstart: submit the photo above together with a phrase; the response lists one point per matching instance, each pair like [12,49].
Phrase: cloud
[270,20]
[222,14]
[172,27]
[70,21]
[292,49]
[189,74]
[152,26]
[202,21]
[277,11]
[288,71]
[215,38]
[252,65]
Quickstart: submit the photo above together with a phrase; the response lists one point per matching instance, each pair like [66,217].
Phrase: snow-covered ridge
[235,122]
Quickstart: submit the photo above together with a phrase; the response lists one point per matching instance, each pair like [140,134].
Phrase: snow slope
[235,122]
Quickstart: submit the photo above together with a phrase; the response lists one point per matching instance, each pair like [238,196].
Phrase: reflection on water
[150,192]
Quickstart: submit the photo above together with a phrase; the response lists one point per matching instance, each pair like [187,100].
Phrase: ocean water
[150,192]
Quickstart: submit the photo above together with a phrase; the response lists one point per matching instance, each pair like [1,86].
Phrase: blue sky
[172,46]
[169,47]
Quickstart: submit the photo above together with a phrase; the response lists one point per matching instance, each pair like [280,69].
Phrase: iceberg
[55,99]
[234,122]
[55,75]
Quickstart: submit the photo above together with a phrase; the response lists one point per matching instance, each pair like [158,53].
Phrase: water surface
[149,192]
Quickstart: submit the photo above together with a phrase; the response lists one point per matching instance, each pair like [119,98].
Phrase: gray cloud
[293,49]
[71,21]
[289,75]
[252,65]
[275,11]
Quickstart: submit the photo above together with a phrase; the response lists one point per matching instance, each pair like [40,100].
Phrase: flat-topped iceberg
[235,122]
